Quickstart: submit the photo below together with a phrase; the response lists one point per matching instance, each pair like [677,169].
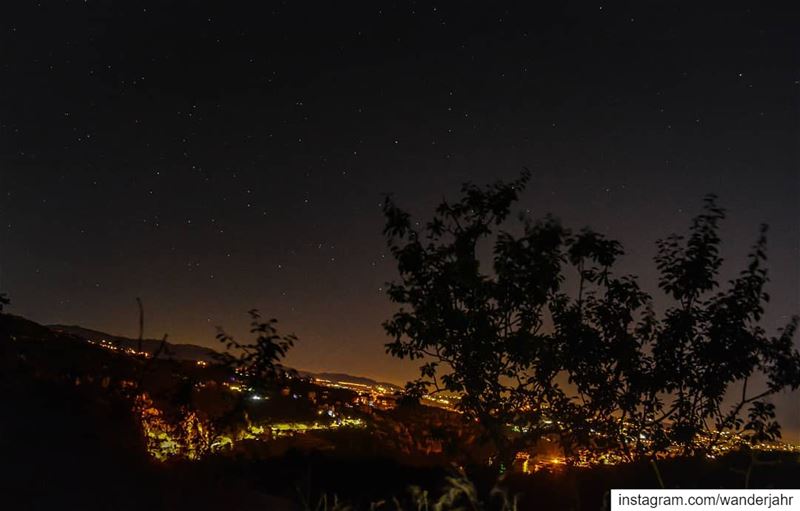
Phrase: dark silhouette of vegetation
[708,343]
[486,330]
[594,367]
[147,366]
[258,363]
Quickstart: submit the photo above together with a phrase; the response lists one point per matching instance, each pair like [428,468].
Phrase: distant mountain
[23,329]
[177,351]
[192,352]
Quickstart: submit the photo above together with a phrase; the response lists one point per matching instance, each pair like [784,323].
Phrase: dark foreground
[59,453]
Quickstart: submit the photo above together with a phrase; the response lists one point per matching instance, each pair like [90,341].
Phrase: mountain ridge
[180,351]
[188,351]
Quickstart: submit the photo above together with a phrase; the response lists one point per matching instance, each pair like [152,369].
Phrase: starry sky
[211,157]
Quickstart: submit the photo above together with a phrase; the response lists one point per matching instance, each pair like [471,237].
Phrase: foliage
[480,334]
[529,358]
[258,363]
[458,493]
[3,301]
[602,335]
[711,342]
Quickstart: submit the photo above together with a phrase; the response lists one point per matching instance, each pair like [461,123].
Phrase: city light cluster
[192,438]
[528,462]
[113,347]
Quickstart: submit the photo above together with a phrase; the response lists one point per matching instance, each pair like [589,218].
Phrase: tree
[603,334]
[595,367]
[645,383]
[480,334]
[258,363]
[3,301]
[711,342]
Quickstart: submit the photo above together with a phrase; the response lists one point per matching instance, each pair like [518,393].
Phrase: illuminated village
[342,405]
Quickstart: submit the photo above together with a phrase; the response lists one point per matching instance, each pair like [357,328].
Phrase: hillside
[174,350]
[181,351]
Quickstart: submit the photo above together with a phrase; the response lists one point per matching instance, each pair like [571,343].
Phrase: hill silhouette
[178,351]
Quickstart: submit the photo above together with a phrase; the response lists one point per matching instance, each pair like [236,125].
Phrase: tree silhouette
[258,363]
[480,334]
[708,343]
[602,334]
[645,383]
[595,366]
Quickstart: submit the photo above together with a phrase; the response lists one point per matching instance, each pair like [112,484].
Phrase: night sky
[212,157]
